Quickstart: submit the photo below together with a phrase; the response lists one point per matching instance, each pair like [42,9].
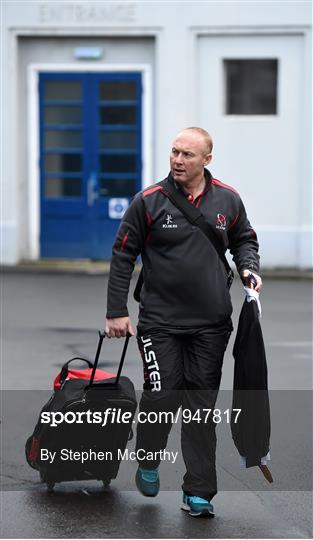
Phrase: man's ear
[208,159]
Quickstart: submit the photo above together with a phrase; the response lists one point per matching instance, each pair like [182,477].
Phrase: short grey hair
[205,134]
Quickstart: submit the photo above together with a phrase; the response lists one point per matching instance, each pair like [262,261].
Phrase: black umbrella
[251,427]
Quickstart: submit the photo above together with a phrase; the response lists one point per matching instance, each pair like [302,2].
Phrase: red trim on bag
[34,450]
[85,374]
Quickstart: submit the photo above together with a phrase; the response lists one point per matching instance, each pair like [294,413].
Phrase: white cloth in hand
[252,295]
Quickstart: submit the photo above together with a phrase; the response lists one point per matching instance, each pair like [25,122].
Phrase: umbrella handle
[266,473]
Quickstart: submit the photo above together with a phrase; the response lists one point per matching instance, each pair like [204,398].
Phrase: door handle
[92,189]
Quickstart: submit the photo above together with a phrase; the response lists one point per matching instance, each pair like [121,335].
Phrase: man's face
[189,156]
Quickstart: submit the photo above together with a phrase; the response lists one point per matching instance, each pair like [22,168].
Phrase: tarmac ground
[48,317]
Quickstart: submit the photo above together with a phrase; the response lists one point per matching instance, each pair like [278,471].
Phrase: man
[185,308]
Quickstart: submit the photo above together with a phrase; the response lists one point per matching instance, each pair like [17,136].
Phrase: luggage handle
[101,338]
[64,370]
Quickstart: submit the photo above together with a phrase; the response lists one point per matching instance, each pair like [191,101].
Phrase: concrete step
[87,266]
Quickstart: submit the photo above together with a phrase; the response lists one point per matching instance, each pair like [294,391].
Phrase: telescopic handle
[101,338]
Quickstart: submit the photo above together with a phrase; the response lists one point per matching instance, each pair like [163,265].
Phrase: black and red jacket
[185,282]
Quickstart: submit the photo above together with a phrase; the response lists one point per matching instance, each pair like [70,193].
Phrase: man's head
[191,152]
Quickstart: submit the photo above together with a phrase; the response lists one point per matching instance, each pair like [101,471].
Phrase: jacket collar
[208,181]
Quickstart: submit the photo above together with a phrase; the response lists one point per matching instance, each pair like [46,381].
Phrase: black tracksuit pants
[183,367]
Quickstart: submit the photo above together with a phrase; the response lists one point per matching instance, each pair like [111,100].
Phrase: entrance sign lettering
[84,13]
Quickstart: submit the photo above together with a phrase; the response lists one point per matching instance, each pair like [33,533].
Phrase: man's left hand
[255,283]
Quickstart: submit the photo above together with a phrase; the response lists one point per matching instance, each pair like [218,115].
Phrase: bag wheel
[106,483]
[50,486]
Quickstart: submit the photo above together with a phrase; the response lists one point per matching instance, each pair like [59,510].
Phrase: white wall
[175,26]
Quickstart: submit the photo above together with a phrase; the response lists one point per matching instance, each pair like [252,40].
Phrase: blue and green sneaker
[147,481]
[197,507]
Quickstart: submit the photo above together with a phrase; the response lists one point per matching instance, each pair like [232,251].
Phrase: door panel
[118,146]
[62,172]
[90,143]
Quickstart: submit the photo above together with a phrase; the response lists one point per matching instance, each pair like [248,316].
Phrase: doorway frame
[33,142]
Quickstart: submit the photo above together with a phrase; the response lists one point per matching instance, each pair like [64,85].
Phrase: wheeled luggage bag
[83,429]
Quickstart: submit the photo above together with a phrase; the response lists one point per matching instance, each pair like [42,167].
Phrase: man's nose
[179,158]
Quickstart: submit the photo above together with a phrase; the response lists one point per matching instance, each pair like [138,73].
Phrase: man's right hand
[118,327]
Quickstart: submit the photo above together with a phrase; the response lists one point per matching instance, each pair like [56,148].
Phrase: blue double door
[90,159]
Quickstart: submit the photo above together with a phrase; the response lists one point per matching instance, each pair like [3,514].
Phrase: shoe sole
[203,513]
